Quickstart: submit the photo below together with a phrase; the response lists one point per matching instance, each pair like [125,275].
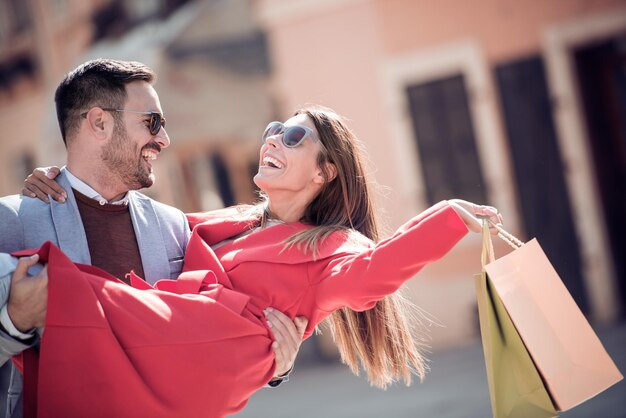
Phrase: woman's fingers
[32,189]
[52,172]
[39,188]
[288,337]
[488,211]
[47,176]
[41,183]
[301,324]
[472,214]
[492,214]
[280,355]
[284,326]
[27,192]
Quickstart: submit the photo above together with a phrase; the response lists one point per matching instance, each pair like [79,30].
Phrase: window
[12,71]
[445,140]
[15,18]
[222,180]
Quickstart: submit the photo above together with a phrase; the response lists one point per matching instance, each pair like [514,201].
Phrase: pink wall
[506,29]
[333,59]
[333,52]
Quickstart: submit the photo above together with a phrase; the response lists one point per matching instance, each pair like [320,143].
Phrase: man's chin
[148,182]
[142,183]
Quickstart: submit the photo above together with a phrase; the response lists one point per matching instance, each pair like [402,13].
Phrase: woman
[308,249]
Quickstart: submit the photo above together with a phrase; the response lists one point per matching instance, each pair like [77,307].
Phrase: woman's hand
[288,337]
[472,214]
[41,183]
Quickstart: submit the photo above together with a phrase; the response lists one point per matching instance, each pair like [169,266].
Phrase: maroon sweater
[110,236]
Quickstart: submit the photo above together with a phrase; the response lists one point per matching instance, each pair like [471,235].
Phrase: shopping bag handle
[487,255]
[507,237]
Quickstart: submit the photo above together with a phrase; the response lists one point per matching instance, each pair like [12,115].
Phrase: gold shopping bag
[541,354]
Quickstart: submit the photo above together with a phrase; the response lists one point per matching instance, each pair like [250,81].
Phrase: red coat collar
[267,245]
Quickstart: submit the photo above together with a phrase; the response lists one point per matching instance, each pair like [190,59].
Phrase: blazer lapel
[152,247]
[69,226]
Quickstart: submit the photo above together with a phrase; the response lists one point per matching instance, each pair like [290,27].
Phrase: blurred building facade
[212,63]
[518,104]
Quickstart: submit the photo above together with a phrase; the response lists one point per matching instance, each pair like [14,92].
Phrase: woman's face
[295,170]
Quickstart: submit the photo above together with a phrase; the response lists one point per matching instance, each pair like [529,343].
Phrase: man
[113,128]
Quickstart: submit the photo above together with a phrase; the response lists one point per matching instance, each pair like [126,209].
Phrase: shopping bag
[515,386]
[566,353]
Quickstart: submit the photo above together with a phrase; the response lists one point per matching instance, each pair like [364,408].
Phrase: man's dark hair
[100,82]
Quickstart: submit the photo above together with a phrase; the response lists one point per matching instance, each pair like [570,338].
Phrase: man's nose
[162,138]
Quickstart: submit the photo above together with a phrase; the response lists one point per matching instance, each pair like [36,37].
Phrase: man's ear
[100,123]
[331,169]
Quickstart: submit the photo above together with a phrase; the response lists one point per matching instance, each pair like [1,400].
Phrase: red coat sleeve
[359,280]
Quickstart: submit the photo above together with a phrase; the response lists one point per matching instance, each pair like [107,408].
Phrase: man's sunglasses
[156,119]
[292,135]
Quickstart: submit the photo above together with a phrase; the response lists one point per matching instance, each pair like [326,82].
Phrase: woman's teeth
[272,162]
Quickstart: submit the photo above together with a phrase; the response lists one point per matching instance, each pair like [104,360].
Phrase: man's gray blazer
[162,235]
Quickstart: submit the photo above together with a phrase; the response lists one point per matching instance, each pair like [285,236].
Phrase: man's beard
[124,160]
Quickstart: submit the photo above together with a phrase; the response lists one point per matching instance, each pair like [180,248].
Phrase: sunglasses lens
[156,122]
[293,136]
[274,128]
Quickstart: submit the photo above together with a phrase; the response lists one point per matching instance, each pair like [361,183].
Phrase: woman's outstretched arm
[359,280]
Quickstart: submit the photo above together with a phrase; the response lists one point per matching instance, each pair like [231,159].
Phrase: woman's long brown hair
[379,339]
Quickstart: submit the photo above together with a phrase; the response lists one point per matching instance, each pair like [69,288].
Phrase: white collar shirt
[83,188]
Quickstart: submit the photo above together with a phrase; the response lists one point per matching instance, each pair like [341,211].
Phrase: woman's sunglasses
[156,119]
[292,135]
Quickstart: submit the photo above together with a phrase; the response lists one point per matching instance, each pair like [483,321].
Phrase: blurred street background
[456,387]
[517,104]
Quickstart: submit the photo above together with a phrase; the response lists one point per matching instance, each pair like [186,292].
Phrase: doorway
[601,75]
[537,163]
